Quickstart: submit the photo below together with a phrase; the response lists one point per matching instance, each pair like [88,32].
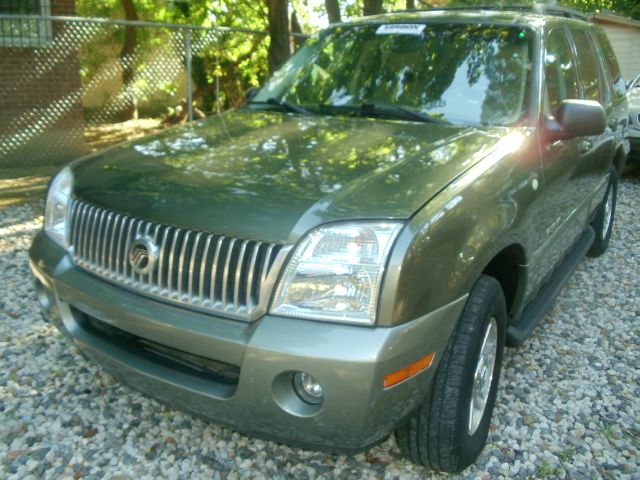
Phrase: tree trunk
[296,28]
[333,11]
[372,7]
[127,59]
[411,4]
[279,48]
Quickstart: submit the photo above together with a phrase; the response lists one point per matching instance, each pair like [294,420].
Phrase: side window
[588,70]
[560,71]
[608,56]
[611,66]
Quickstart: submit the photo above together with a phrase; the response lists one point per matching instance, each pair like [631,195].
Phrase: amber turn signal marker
[409,371]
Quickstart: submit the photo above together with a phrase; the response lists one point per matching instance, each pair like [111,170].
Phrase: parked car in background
[348,254]
[633,89]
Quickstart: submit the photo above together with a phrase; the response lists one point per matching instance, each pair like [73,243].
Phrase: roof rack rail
[540,8]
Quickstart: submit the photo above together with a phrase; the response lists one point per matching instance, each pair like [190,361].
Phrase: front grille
[206,271]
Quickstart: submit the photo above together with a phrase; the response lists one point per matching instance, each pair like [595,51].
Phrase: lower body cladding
[242,374]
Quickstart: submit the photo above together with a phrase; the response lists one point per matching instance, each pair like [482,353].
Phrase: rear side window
[561,78]
[608,56]
[611,66]
[592,86]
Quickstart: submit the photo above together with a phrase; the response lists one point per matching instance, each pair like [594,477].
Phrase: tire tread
[430,437]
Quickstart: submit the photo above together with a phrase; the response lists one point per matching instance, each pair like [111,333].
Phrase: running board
[536,310]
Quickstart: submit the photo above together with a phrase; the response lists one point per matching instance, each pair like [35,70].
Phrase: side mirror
[577,118]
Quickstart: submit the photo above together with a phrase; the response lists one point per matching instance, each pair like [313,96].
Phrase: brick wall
[40,101]
[63,7]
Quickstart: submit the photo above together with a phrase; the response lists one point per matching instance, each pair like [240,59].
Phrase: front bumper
[257,397]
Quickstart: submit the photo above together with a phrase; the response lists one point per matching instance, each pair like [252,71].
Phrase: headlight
[335,273]
[55,213]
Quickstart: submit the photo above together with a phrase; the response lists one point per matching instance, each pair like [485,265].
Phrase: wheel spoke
[483,376]
[608,212]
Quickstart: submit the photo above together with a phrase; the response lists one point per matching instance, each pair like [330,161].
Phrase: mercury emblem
[143,255]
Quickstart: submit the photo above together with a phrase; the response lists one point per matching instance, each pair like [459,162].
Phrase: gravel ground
[568,405]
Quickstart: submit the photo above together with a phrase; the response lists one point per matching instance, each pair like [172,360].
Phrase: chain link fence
[71,85]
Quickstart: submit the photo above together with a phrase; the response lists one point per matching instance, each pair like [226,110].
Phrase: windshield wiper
[385,109]
[288,106]
[401,111]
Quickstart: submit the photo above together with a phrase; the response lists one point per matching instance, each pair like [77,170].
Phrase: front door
[566,165]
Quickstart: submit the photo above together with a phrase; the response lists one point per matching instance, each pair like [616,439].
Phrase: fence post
[187,47]
[217,72]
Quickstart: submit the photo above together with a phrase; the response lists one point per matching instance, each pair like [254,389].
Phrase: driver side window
[561,79]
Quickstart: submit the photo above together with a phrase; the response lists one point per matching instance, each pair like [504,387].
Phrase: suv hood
[272,176]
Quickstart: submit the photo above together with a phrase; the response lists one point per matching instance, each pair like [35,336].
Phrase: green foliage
[238,60]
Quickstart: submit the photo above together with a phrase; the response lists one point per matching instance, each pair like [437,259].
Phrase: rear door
[595,86]
[616,105]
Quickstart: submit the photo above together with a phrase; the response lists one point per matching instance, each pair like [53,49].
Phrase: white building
[624,35]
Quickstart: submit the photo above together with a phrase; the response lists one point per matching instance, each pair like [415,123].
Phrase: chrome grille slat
[112,244]
[107,235]
[74,235]
[214,272]
[86,230]
[265,267]
[194,254]
[146,229]
[201,270]
[236,285]
[156,237]
[172,251]
[127,240]
[93,247]
[99,237]
[181,261]
[252,267]
[121,230]
[163,250]
[225,274]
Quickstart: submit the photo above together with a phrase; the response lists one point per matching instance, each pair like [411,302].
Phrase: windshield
[469,74]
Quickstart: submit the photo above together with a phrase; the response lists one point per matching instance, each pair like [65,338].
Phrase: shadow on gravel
[14,191]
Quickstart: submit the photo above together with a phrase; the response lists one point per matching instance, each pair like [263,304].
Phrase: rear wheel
[603,222]
[450,429]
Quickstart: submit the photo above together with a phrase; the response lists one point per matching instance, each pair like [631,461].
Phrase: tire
[439,435]
[603,221]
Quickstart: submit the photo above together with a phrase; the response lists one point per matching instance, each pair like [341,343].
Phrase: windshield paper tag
[400,28]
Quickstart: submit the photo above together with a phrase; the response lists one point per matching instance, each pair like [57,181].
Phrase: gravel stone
[567,405]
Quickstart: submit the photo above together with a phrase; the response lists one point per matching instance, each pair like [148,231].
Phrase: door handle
[586,146]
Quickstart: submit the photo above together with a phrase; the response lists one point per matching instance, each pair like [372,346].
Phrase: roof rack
[539,8]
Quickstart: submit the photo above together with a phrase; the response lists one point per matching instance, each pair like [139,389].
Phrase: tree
[372,7]
[296,28]
[333,10]
[126,56]
[279,48]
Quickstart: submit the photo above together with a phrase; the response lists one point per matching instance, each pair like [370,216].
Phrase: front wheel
[450,429]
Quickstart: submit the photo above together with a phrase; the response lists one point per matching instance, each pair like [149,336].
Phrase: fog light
[307,388]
